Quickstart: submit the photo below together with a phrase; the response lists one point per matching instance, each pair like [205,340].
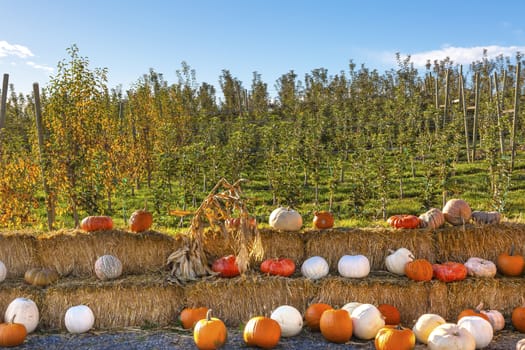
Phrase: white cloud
[7,49]
[464,55]
[39,66]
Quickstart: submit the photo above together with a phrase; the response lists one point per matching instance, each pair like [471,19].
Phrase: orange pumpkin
[419,270]
[12,334]
[518,318]
[262,332]
[395,338]
[312,315]
[474,312]
[140,220]
[96,223]
[390,313]
[190,316]
[336,325]
[510,264]
[404,221]
[323,219]
[210,333]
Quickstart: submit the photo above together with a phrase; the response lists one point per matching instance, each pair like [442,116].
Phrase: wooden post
[436,91]
[476,111]
[498,109]
[517,95]
[445,108]
[3,104]
[43,159]
[464,105]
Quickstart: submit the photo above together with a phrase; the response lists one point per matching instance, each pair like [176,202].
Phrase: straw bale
[74,252]
[11,289]
[458,243]
[372,243]
[238,299]
[502,294]
[18,252]
[411,298]
[131,301]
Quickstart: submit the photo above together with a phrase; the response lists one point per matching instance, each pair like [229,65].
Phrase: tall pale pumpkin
[480,329]
[425,324]
[24,311]
[457,212]
[367,321]
[290,320]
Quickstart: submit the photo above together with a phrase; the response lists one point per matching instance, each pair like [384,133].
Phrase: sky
[270,37]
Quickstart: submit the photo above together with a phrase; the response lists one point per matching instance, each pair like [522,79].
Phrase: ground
[177,338]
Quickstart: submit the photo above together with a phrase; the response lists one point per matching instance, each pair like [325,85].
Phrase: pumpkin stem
[479,307]
[13,319]
[511,253]
[145,204]
[208,315]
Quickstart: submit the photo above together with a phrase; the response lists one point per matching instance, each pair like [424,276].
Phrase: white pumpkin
[3,271]
[353,266]
[496,319]
[425,324]
[480,329]
[108,267]
[350,307]
[367,320]
[396,261]
[520,345]
[24,311]
[290,320]
[450,336]
[486,217]
[315,267]
[286,219]
[79,319]
[479,267]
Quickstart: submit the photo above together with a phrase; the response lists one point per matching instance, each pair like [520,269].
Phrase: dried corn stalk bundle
[189,262]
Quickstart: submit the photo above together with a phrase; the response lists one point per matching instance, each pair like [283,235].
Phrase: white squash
[496,319]
[450,336]
[479,267]
[486,217]
[24,311]
[367,320]
[79,319]
[396,261]
[425,324]
[353,266]
[286,219]
[315,267]
[350,307]
[3,271]
[480,329]
[290,320]
[108,267]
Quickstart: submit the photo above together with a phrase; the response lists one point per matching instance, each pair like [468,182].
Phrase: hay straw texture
[130,301]
[411,298]
[238,299]
[74,252]
[372,243]
[485,241]
[17,252]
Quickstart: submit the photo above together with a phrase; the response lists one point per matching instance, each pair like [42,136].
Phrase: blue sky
[271,37]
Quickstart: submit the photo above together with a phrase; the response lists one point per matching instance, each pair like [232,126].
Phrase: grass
[469,181]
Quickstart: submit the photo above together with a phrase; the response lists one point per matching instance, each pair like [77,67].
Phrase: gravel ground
[176,338]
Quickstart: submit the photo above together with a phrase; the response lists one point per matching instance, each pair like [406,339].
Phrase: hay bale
[74,252]
[145,300]
[372,243]
[274,244]
[458,243]
[502,294]
[411,298]
[18,251]
[238,299]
